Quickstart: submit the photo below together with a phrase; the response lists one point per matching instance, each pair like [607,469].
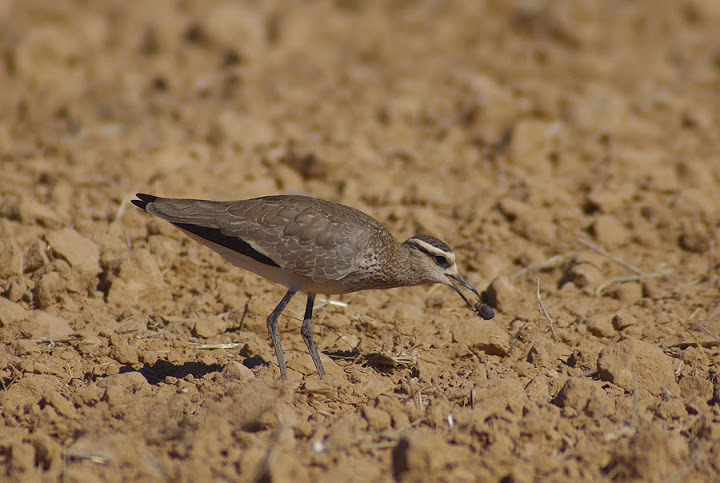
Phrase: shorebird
[312,246]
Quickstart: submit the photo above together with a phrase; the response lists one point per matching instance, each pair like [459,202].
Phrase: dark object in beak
[484,311]
[481,309]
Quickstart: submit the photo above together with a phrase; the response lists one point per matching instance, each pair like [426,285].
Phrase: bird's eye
[441,260]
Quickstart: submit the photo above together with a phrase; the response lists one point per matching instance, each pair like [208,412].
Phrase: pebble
[583,395]
[531,144]
[305,365]
[377,419]
[610,232]
[11,259]
[209,327]
[600,325]
[482,335]
[622,319]
[43,324]
[30,211]
[628,293]
[694,237]
[11,312]
[503,294]
[630,362]
[237,371]
[583,275]
[498,395]
[123,352]
[420,453]
[47,290]
[134,276]
[36,256]
[81,253]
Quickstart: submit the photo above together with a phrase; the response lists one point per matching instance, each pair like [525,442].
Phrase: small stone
[420,454]
[47,290]
[652,454]
[633,362]
[692,385]
[134,381]
[628,293]
[11,259]
[583,395]
[694,237]
[209,327]
[344,432]
[690,202]
[623,319]
[123,352]
[670,409]
[529,222]
[42,324]
[305,366]
[237,371]
[121,388]
[600,325]
[609,231]
[497,395]
[377,419]
[482,335]
[62,405]
[11,312]
[36,256]
[503,294]
[134,278]
[532,143]
[30,211]
[80,252]
[583,275]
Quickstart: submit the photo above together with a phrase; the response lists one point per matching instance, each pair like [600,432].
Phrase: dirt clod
[635,364]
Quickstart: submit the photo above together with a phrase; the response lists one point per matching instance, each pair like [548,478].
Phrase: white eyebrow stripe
[433,250]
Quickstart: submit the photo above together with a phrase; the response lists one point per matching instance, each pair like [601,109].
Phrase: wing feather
[314,238]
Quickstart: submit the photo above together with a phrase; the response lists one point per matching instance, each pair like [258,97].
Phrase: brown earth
[527,134]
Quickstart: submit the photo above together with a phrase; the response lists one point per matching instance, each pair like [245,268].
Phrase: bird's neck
[400,268]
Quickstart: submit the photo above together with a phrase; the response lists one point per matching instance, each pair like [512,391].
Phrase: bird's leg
[307,335]
[272,323]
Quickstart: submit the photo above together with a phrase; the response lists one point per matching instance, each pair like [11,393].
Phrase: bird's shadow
[162,369]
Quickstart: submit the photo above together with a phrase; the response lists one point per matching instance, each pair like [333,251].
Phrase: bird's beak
[482,310]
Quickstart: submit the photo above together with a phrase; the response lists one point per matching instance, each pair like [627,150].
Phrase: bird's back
[321,240]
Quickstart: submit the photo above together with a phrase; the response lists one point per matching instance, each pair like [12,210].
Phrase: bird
[312,246]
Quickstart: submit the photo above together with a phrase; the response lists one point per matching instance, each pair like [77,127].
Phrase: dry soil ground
[530,135]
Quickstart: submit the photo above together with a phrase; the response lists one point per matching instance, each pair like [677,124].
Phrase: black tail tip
[144,200]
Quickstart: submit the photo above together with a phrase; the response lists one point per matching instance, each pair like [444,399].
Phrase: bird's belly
[274,274]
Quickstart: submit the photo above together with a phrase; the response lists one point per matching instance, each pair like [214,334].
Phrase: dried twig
[385,358]
[227,345]
[151,334]
[601,288]
[711,263]
[78,454]
[622,263]
[636,395]
[551,262]
[322,302]
[545,312]
[686,325]
[712,334]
